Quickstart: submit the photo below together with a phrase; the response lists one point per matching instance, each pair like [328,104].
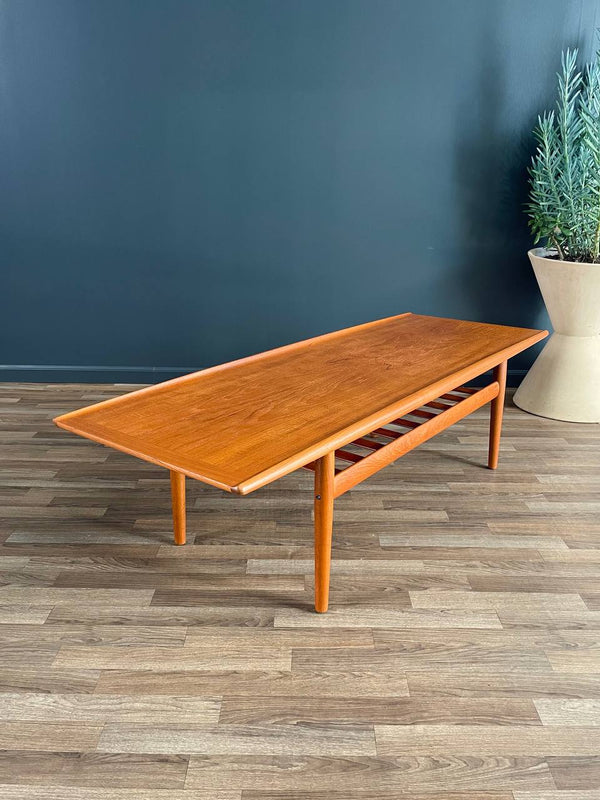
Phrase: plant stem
[559,250]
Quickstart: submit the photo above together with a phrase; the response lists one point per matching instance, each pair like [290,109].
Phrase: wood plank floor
[460,658]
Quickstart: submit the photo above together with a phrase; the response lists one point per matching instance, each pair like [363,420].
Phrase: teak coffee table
[344,405]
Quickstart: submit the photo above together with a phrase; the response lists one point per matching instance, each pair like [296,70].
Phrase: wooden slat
[420,412]
[440,406]
[372,445]
[405,423]
[391,434]
[451,396]
[346,455]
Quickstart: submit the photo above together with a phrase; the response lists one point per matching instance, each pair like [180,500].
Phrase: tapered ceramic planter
[564,381]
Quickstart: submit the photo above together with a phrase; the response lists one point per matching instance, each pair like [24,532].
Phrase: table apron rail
[363,466]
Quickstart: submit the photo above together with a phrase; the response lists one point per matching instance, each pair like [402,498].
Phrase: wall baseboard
[44,373]
[51,373]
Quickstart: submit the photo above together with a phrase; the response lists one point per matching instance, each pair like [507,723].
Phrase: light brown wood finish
[496,413]
[242,425]
[113,641]
[178,504]
[323,511]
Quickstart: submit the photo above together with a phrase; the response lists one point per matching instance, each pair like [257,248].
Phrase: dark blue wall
[188,181]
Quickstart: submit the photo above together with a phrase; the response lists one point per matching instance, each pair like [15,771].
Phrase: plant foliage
[564,207]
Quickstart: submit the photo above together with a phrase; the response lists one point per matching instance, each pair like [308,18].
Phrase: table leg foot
[496,413]
[324,479]
[178,501]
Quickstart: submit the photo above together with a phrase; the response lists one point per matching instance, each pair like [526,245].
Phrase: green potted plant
[564,211]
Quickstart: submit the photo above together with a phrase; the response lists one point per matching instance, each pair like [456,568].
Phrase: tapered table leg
[497,410]
[178,501]
[324,475]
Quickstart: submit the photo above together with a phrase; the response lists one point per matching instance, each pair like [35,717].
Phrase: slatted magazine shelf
[369,453]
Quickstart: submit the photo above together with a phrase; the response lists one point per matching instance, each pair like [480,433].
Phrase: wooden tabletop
[243,424]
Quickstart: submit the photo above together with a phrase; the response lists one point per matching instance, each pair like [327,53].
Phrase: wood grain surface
[244,424]
[459,659]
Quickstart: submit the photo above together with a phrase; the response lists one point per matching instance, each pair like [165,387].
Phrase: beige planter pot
[564,381]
